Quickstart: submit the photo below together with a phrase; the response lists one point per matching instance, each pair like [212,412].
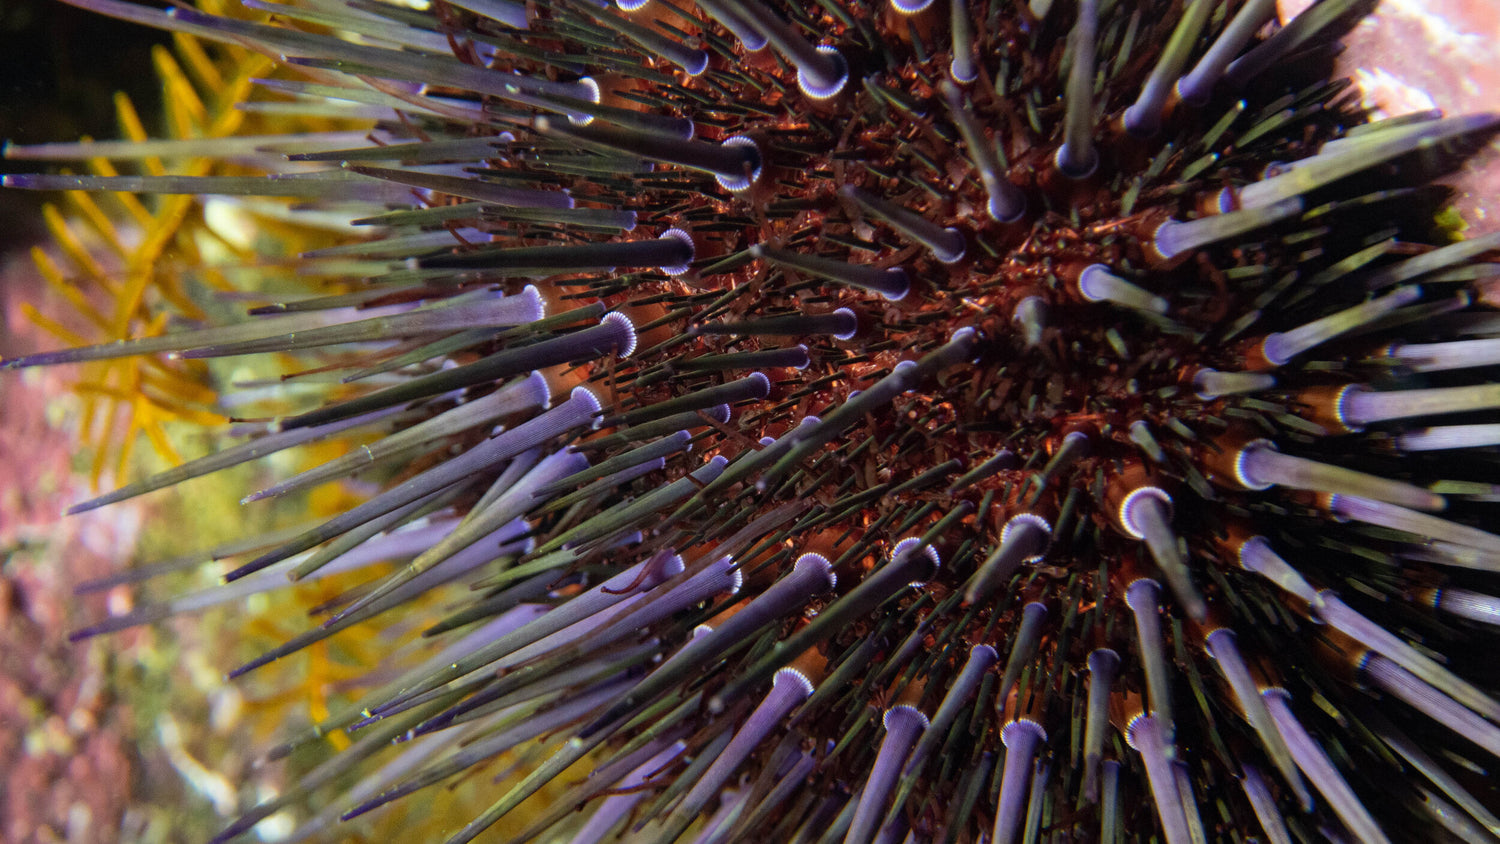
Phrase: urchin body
[943,421]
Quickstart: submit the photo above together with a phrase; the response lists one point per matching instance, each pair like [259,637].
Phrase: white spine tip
[538,304]
[537,383]
[696,64]
[585,395]
[905,712]
[851,320]
[911,7]
[822,89]
[739,182]
[579,118]
[1132,509]
[816,563]
[954,247]
[1097,284]
[900,285]
[795,677]
[1244,462]
[626,347]
[1212,384]
[914,545]
[1026,521]
[1065,161]
[687,240]
[966,335]
[806,358]
[1142,121]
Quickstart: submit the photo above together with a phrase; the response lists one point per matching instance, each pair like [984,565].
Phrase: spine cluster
[926,421]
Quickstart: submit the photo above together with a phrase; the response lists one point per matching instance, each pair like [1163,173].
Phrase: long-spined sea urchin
[859,422]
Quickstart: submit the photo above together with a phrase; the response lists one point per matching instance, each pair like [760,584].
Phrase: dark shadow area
[59,70]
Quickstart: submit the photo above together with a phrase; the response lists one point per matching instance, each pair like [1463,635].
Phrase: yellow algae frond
[131,265]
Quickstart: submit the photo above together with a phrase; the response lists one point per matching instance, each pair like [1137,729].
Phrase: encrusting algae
[820,422]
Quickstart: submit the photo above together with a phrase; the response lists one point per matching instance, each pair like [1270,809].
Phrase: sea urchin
[940,421]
